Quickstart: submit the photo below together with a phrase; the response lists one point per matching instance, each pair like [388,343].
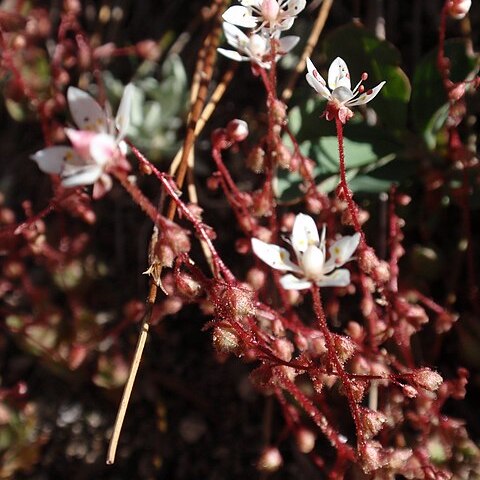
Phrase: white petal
[85,175]
[290,282]
[316,81]
[338,75]
[122,120]
[339,278]
[234,36]
[342,250]
[102,148]
[274,256]
[286,23]
[52,159]
[287,43]
[304,233]
[366,97]
[86,112]
[240,16]
[232,54]
[295,7]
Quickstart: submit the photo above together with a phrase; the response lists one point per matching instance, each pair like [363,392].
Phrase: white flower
[310,252]
[255,48]
[270,15]
[96,146]
[340,96]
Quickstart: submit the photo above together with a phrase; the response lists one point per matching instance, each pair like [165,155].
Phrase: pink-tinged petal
[103,148]
[338,75]
[274,256]
[241,16]
[102,186]
[232,55]
[342,250]
[295,7]
[251,3]
[86,175]
[287,43]
[290,282]
[81,140]
[316,81]
[367,96]
[122,120]
[86,112]
[52,159]
[304,233]
[235,37]
[339,278]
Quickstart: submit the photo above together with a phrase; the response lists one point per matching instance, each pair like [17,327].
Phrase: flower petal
[274,256]
[339,278]
[316,81]
[232,55]
[122,120]
[234,36]
[290,282]
[241,16]
[85,175]
[366,97]
[287,43]
[295,7]
[52,159]
[304,233]
[86,112]
[338,74]
[81,140]
[342,250]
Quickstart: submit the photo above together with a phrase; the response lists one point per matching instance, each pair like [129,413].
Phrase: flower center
[313,262]
[342,94]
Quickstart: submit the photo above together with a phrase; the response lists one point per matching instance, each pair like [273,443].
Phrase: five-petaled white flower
[97,145]
[340,96]
[266,15]
[255,48]
[309,249]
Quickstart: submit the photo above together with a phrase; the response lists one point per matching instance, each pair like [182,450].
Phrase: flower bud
[457,9]
[427,379]
[237,130]
[225,340]
[305,439]
[372,421]
[270,460]
[256,159]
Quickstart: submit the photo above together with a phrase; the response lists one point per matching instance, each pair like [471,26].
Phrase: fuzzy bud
[427,379]
[270,460]
[283,348]
[367,260]
[372,421]
[225,340]
[344,346]
[187,286]
[256,159]
[234,302]
[256,278]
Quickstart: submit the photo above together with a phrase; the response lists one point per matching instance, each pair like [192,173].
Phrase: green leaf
[363,52]
[428,94]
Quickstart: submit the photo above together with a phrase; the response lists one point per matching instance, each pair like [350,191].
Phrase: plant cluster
[347,346]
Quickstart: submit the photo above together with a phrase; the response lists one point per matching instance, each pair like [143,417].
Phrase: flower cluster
[339,93]
[97,144]
[309,248]
[267,18]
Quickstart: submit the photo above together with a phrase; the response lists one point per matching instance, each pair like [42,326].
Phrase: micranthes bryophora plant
[340,309]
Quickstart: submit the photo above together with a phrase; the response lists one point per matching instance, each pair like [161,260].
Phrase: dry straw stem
[204,73]
[310,45]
